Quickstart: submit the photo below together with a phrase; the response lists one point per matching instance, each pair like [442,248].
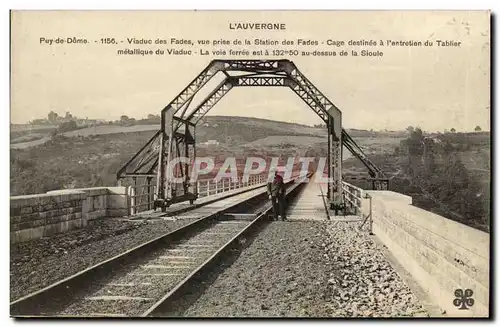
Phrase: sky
[436,88]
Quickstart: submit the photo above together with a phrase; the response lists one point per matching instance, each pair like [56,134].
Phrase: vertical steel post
[335,155]
[358,201]
[194,159]
[371,217]
[167,125]
[159,175]
[329,193]
[133,199]
[128,191]
[186,155]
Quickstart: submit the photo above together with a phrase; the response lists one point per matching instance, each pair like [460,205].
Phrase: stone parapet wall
[40,215]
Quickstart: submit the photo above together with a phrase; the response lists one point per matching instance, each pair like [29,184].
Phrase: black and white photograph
[250,164]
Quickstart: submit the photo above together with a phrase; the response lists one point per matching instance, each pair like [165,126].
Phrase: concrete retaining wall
[39,215]
[441,255]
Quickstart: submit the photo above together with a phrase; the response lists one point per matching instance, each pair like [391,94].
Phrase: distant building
[433,139]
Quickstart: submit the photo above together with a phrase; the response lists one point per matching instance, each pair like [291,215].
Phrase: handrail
[353,197]
[369,216]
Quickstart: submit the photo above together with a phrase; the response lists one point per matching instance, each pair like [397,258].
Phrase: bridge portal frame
[177,135]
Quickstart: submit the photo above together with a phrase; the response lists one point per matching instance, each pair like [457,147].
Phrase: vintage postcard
[320,164]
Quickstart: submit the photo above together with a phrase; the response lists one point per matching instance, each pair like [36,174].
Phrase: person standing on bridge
[276,191]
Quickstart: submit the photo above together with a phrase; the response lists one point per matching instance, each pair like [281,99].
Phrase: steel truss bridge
[176,137]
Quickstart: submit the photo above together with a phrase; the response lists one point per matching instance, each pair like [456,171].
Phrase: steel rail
[168,300]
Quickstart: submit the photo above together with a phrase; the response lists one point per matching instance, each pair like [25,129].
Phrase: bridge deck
[309,205]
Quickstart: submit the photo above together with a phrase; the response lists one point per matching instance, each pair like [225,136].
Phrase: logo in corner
[463,299]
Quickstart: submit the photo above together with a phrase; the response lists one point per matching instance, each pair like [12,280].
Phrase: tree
[124,118]
[153,118]
[68,115]
[448,147]
[410,129]
[453,130]
[477,129]
[414,144]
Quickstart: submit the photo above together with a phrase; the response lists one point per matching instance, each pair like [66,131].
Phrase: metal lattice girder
[184,98]
[313,92]
[335,148]
[140,162]
[226,85]
[336,172]
[171,142]
[294,72]
[252,65]
[335,117]
[353,147]
[276,79]
[261,81]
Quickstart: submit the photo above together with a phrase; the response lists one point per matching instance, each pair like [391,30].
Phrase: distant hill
[244,129]
[261,121]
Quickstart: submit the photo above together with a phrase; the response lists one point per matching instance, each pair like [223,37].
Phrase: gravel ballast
[39,263]
[309,269]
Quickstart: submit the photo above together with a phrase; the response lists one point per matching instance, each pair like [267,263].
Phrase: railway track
[153,278]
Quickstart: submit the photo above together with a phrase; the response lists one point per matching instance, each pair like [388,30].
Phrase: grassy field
[26,133]
[219,128]
[111,129]
[92,156]
[19,128]
[235,130]
[287,140]
[38,136]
